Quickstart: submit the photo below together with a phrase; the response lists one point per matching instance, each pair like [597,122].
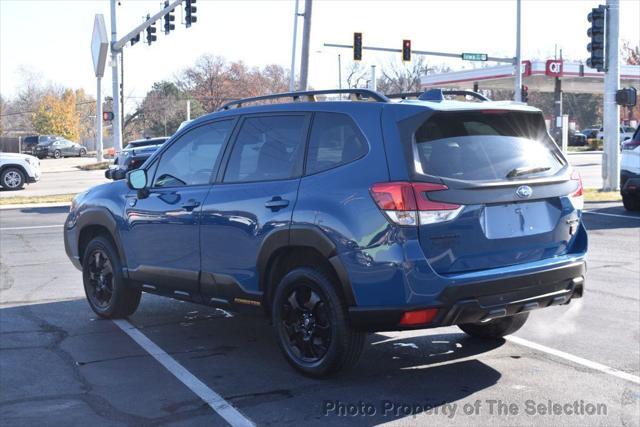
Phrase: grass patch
[94,166]
[24,200]
[581,149]
[594,195]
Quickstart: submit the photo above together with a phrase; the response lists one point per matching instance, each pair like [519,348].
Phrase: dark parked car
[577,139]
[340,218]
[30,143]
[133,156]
[60,148]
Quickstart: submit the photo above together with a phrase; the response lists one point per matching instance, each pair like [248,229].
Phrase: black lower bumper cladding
[483,301]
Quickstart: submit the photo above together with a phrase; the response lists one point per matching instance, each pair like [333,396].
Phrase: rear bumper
[475,302]
[630,183]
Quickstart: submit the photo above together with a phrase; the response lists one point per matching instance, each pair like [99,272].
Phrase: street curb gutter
[34,205]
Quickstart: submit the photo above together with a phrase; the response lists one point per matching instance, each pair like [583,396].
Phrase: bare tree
[356,75]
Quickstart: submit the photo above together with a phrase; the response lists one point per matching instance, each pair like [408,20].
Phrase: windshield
[486,145]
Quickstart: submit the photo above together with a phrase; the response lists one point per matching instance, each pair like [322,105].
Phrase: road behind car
[62,366]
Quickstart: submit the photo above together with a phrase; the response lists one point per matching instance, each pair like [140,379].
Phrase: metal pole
[306,35]
[373,84]
[292,80]
[122,86]
[517,66]
[116,126]
[340,73]
[99,154]
[611,161]
[188,109]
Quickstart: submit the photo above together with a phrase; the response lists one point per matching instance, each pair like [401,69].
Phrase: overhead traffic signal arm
[173,4]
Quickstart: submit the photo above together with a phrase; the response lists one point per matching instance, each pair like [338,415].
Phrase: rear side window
[335,140]
[485,145]
[268,148]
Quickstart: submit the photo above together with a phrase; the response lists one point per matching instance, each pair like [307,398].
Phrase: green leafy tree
[58,116]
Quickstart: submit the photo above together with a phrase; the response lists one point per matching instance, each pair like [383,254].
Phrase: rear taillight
[407,203]
[418,317]
[577,197]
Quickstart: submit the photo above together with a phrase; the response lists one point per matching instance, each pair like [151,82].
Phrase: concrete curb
[34,205]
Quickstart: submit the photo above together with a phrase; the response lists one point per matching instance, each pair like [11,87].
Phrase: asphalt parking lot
[174,363]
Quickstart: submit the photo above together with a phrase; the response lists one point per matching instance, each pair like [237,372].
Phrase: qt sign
[554,68]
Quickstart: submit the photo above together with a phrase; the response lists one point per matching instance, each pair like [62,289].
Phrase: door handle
[276,203]
[190,205]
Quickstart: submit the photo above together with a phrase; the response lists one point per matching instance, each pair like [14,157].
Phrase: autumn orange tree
[57,115]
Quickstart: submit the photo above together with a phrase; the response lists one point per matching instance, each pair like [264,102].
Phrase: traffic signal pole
[306,36]
[116,48]
[611,114]
[115,85]
[517,66]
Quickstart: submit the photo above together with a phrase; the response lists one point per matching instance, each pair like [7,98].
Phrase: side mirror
[137,180]
[627,138]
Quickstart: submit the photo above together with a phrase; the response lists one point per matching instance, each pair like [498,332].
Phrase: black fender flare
[104,218]
[306,236]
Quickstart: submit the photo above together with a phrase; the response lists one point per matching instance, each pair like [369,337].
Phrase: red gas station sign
[553,68]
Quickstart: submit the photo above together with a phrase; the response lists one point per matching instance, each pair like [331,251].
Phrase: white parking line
[213,399]
[610,214]
[30,227]
[575,359]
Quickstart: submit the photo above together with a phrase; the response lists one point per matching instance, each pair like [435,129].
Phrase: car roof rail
[310,96]
[438,94]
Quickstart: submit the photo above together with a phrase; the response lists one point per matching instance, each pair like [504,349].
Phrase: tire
[630,203]
[82,153]
[497,328]
[12,179]
[332,343]
[57,154]
[107,292]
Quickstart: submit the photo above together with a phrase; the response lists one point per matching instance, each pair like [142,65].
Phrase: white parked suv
[630,173]
[625,132]
[16,170]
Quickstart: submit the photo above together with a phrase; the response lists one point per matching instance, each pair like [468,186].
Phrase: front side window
[190,160]
[267,148]
[335,140]
[485,145]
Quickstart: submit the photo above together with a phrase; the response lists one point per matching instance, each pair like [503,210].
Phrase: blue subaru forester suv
[343,217]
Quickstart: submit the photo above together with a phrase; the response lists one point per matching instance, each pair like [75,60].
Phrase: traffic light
[107,116]
[524,93]
[189,13]
[406,50]
[627,97]
[357,46]
[135,39]
[168,19]
[598,35]
[151,33]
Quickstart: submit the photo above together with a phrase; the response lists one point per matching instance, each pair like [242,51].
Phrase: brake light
[418,317]
[407,203]
[577,197]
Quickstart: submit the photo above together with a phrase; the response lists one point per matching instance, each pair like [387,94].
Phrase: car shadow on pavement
[46,210]
[61,364]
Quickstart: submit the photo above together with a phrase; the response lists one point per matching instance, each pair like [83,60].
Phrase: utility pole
[373,85]
[292,80]
[611,122]
[116,126]
[518,61]
[340,72]
[122,87]
[306,35]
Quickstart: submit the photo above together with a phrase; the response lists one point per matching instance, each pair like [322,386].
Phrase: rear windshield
[485,145]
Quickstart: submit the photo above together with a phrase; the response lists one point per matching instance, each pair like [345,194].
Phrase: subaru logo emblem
[524,192]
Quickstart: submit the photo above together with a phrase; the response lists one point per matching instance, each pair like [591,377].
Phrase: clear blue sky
[52,37]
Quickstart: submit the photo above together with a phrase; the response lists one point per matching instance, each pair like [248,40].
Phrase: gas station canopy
[537,76]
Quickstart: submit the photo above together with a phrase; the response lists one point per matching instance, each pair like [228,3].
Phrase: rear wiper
[526,171]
